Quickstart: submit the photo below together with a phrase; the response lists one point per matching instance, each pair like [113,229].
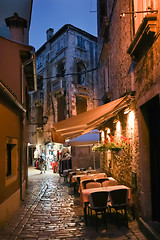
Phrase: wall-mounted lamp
[116,119]
[127,110]
[123,14]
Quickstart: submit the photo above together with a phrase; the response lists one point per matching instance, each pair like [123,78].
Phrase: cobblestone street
[51,211]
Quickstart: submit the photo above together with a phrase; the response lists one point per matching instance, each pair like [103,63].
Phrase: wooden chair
[119,201]
[108,183]
[93,185]
[98,203]
[85,182]
[100,175]
[101,180]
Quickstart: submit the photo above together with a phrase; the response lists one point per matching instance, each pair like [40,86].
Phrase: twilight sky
[56,13]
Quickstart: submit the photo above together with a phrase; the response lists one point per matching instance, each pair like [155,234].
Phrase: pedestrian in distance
[42,164]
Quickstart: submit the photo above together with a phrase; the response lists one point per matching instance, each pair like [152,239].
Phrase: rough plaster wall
[83,157]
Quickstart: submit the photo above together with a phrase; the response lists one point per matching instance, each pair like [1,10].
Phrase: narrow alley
[51,211]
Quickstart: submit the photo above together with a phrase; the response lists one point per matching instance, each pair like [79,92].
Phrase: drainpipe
[4,89]
[28,61]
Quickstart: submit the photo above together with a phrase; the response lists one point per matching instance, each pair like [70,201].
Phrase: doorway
[151,113]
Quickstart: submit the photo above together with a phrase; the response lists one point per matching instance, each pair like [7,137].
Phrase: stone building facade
[128,51]
[67,79]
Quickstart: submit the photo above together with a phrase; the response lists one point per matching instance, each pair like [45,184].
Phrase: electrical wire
[74,74]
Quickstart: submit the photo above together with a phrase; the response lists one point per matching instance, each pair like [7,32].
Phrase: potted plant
[113,144]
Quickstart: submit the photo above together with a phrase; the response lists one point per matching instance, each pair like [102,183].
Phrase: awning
[87,121]
[90,138]
[56,137]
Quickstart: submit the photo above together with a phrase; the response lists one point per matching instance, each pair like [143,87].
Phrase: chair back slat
[98,199]
[108,183]
[119,197]
[93,185]
[101,180]
[85,182]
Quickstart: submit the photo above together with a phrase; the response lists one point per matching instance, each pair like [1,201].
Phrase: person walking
[42,164]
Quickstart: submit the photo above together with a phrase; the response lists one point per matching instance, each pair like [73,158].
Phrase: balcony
[58,86]
[144,38]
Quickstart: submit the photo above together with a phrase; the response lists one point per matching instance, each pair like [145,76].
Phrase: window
[11,160]
[81,104]
[41,95]
[9,151]
[141,5]
[80,42]
[144,28]
[81,75]
[60,70]
[58,45]
[34,95]
[48,57]
[61,106]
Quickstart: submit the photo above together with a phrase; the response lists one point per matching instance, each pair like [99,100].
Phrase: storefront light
[131,117]
[127,110]
[118,127]
[102,136]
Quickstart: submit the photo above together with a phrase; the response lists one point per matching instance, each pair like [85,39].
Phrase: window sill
[144,38]
[11,179]
[81,48]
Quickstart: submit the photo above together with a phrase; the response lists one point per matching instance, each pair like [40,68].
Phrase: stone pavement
[51,211]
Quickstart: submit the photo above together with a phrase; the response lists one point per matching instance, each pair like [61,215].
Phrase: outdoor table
[85,193]
[88,176]
[92,176]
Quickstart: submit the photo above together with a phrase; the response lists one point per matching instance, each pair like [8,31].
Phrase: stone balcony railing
[58,85]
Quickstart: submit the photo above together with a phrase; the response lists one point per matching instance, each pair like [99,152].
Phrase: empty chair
[100,180]
[98,203]
[85,182]
[100,175]
[92,171]
[80,173]
[93,185]
[119,201]
[108,183]
[82,169]
[70,179]
[85,177]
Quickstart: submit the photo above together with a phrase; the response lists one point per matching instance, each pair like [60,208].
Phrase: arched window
[81,73]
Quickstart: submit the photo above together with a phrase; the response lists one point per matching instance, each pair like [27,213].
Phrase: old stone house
[129,55]
[67,80]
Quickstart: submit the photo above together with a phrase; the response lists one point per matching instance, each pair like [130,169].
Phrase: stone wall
[127,74]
